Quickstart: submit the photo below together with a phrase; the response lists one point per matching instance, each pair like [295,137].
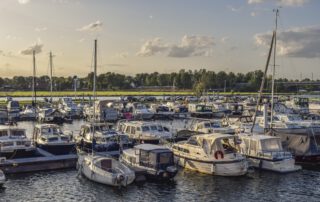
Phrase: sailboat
[103,169]
[263,151]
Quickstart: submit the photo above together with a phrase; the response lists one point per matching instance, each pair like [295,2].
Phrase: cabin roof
[149,147]
[213,136]
[259,137]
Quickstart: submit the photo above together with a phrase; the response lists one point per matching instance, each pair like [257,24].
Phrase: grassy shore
[110,93]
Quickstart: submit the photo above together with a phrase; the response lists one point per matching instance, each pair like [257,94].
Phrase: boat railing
[274,154]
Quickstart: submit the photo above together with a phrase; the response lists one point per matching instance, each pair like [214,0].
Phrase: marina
[159,101]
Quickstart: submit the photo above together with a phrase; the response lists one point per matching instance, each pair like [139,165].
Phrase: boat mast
[262,82]
[51,81]
[94,78]
[274,65]
[94,92]
[34,91]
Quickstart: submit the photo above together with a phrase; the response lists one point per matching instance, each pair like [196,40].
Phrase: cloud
[303,42]
[192,46]
[122,55]
[225,39]
[23,1]
[151,47]
[35,47]
[281,2]
[189,46]
[40,29]
[95,26]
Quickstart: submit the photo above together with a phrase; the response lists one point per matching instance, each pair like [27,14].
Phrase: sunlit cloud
[40,29]
[303,42]
[37,47]
[23,1]
[189,46]
[281,2]
[92,27]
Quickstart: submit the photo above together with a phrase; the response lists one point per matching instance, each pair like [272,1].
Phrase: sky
[143,36]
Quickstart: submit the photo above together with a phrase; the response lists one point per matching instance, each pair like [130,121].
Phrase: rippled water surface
[66,185]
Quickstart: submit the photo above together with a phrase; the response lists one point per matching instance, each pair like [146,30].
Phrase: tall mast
[94,92]
[274,64]
[34,90]
[94,78]
[51,81]
[262,82]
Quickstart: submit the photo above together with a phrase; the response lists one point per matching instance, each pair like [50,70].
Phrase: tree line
[184,80]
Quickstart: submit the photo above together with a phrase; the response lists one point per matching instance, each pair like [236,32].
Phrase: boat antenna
[94,90]
[262,82]
[274,64]
[34,90]
[51,78]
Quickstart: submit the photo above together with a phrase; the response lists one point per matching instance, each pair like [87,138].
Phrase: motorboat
[243,124]
[13,108]
[299,105]
[207,154]
[161,111]
[153,160]
[101,137]
[145,132]
[29,113]
[139,111]
[200,110]
[14,143]
[104,112]
[266,153]
[105,170]
[68,108]
[2,178]
[52,139]
[211,126]
[50,115]
[180,110]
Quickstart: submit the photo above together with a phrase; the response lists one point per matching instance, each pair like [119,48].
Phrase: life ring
[218,153]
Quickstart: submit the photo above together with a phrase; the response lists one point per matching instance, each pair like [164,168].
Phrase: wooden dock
[46,161]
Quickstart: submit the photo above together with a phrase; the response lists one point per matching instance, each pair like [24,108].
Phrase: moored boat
[105,170]
[207,154]
[153,160]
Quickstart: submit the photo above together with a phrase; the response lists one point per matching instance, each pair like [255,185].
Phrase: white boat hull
[282,166]
[227,168]
[92,172]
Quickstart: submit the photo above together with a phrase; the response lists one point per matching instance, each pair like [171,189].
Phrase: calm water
[66,185]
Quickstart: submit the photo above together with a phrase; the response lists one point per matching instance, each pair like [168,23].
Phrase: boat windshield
[294,118]
[140,106]
[145,128]
[154,127]
[18,133]
[165,160]
[100,128]
[271,145]
[3,133]
[212,125]
[51,131]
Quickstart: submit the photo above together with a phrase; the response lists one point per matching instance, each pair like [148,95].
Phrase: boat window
[160,128]
[153,127]
[17,133]
[206,146]
[166,129]
[253,145]
[3,133]
[227,147]
[192,141]
[145,128]
[144,158]
[128,129]
[271,145]
[206,125]
[133,130]
[138,128]
[215,125]
[165,159]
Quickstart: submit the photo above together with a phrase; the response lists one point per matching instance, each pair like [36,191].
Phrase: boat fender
[120,178]
[218,153]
